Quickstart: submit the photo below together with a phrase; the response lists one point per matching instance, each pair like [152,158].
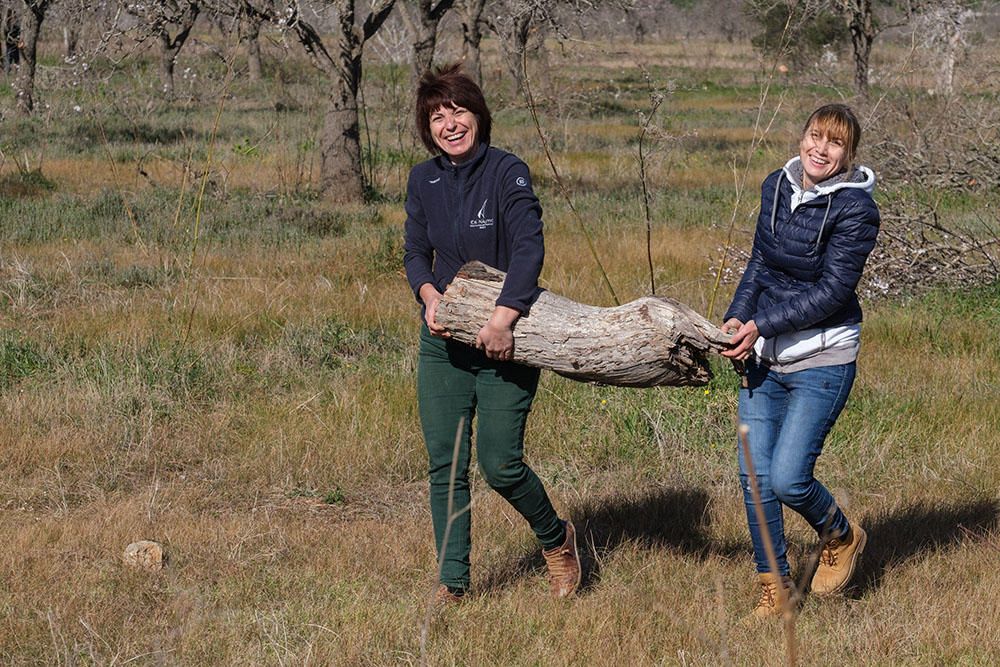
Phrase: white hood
[861,177]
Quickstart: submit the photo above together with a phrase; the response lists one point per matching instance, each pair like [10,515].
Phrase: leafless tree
[422,18]
[944,19]
[247,17]
[521,25]
[338,57]
[170,23]
[943,29]
[471,15]
[10,33]
[250,24]
[77,21]
[32,16]
[860,18]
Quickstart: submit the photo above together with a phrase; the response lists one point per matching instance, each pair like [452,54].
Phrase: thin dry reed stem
[657,100]
[786,603]
[183,188]
[529,98]
[200,199]
[452,516]
[741,178]
[118,187]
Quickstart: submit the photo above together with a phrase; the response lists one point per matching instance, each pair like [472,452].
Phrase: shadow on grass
[675,519]
[902,534]
[678,520]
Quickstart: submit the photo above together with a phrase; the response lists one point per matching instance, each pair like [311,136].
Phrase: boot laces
[768,595]
[558,562]
[828,556]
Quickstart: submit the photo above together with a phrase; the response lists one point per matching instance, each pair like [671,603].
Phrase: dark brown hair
[837,121]
[449,86]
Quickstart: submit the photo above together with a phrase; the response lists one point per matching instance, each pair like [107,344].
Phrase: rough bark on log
[649,342]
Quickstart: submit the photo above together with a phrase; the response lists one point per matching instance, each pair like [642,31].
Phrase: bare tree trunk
[860,19]
[422,18]
[945,29]
[167,59]
[862,52]
[339,59]
[341,175]
[170,45]
[649,342]
[339,142]
[250,29]
[471,12]
[70,38]
[31,25]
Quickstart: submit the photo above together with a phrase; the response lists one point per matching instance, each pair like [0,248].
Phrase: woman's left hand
[496,338]
[742,341]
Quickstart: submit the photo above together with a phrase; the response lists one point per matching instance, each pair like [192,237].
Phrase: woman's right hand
[744,337]
[431,298]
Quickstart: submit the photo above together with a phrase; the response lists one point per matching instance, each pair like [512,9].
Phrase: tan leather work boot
[563,563]
[838,560]
[768,604]
[445,598]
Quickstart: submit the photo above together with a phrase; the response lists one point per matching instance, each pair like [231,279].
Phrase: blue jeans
[789,416]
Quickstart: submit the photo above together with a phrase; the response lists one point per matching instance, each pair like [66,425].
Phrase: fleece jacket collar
[467,172]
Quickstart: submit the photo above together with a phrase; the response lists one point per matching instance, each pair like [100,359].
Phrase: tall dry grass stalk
[206,172]
[740,177]
[657,100]
[787,603]
[118,186]
[452,516]
[532,108]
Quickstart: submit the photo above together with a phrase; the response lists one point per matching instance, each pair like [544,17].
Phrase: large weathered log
[649,342]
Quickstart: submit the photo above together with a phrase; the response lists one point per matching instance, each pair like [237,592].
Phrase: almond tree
[515,22]
[250,23]
[32,15]
[471,15]
[512,22]
[865,26]
[249,17]
[943,28]
[422,18]
[170,23]
[860,18]
[337,55]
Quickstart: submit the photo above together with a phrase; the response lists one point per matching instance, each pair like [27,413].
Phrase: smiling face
[455,131]
[822,156]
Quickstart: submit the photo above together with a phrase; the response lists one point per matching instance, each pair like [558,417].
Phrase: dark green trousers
[454,383]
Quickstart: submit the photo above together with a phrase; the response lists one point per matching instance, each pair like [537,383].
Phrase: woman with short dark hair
[472,201]
[797,324]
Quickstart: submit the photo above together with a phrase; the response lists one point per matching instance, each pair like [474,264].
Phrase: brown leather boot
[445,598]
[838,560]
[768,605]
[563,563]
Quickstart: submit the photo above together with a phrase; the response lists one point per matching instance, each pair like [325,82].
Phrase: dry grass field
[233,377]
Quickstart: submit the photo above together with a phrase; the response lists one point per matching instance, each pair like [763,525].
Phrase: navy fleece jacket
[483,209]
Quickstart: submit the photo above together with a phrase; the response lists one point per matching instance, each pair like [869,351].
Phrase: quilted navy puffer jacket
[806,264]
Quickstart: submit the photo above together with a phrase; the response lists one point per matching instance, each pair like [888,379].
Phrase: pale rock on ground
[145,554]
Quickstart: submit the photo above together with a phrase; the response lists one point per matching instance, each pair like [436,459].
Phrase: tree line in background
[334,34]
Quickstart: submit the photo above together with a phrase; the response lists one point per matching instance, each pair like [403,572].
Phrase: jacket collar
[860,177]
[466,170]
